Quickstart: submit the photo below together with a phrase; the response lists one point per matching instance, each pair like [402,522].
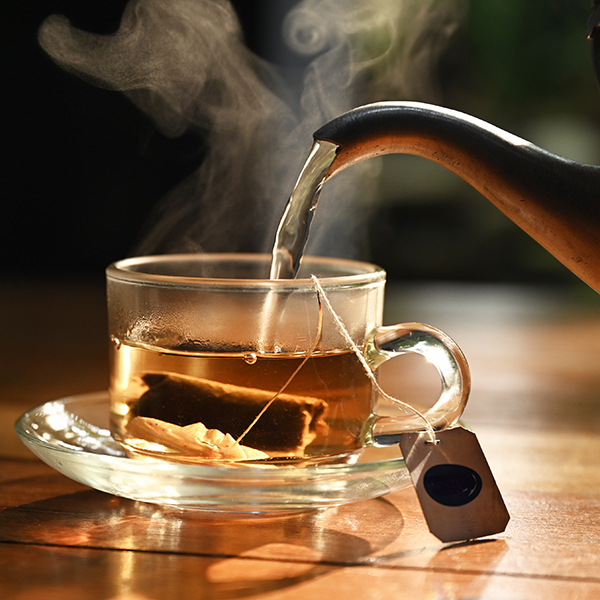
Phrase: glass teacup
[213,361]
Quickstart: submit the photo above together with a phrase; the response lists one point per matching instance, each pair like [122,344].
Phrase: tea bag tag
[454,484]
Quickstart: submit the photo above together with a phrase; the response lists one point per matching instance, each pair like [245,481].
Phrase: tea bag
[288,425]
[192,440]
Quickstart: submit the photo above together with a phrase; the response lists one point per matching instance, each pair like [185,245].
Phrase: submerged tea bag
[288,425]
[192,440]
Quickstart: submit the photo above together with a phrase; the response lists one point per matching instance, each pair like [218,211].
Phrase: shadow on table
[229,555]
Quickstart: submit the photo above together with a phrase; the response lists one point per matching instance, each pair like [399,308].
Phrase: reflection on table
[535,407]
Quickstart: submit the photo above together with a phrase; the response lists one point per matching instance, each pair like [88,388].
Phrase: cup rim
[354,273]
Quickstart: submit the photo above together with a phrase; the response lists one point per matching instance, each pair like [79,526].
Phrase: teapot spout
[553,199]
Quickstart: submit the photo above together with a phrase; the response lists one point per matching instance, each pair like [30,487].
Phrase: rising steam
[185,64]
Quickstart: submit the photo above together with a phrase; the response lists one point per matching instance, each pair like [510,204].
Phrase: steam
[184,63]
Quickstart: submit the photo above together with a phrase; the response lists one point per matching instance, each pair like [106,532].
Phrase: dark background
[83,168]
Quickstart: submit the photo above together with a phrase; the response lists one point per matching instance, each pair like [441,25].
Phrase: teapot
[553,199]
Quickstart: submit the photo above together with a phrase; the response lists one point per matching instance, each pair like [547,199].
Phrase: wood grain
[535,408]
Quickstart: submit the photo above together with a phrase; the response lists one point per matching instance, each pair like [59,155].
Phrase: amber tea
[321,411]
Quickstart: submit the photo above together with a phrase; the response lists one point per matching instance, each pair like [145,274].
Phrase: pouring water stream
[292,235]
[292,232]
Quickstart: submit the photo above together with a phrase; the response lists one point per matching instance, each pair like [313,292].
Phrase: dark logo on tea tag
[452,485]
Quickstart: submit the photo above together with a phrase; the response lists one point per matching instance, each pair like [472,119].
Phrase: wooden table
[535,407]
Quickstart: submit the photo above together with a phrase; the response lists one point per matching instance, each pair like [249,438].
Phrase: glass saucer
[71,435]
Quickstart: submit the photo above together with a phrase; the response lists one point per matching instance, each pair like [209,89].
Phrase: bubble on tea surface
[250,358]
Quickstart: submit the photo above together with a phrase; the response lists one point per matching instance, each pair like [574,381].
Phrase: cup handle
[440,350]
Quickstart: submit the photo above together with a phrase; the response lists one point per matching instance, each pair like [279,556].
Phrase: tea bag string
[363,361]
[291,377]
